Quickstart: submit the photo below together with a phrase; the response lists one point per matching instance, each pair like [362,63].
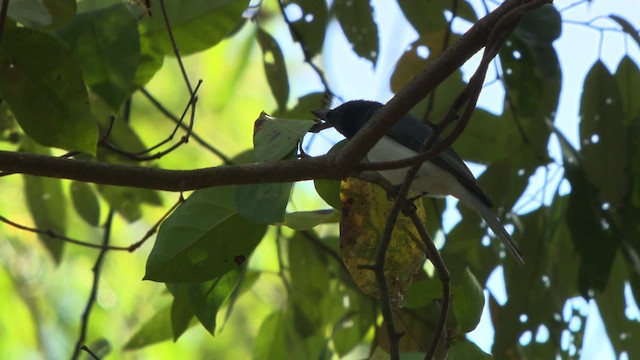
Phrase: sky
[579,46]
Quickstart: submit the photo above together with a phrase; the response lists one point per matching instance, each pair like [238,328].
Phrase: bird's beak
[321,113]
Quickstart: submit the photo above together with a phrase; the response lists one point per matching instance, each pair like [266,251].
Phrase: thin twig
[133,247]
[97,267]
[443,275]
[85,348]
[178,121]
[138,156]
[176,50]
[54,235]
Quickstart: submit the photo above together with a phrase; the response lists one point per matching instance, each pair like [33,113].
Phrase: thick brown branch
[323,167]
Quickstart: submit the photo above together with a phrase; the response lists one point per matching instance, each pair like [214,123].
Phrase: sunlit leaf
[423,292]
[271,340]
[106,44]
[274,67]
[203,239]
[86,202]
[467,301]
[364,211]
[305,220]
[273,139]
[43,84]
[356,19]
[196,24]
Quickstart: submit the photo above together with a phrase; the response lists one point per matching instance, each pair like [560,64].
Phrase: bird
[445,174]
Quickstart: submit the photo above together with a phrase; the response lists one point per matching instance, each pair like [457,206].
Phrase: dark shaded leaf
[196,24]
[263,203]
[181,310]
[149,62]
[488,138]
[154,330]
[611,304]
[428,16]
[86,202]
[302,110]
[311,25]
[603,136]
[329,191]
[274,67]
[626,27]
[47,14]
[465,349]
[203,239]
[356,19]
[106,44]
[354,318]
[628,80]
[43,84]
[126,200]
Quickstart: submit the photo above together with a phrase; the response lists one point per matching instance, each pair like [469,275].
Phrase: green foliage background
[229,262]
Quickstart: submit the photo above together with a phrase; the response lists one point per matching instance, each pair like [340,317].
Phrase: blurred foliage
[257,270]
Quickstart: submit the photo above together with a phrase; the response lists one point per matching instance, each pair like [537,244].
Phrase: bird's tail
[494,223]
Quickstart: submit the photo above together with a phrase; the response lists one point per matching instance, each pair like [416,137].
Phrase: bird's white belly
[430,179]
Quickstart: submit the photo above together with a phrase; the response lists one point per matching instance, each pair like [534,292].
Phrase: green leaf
[86,202]
[274,139]
[43,84]
[271,341]
[303,107]
[263,203]
[46,14]
[628,80]
[422,293]
[196,24]
[329,191]
[126,200]
[356,19]
[355,313]
[106,44]
[485,128]
[203,239]
[154,330]
[465,349]
[47,204]
[274,67]
[468,302]
[428,16]
[207,298]
[593,243]
[603,136]
[611,305]
[627,27]
[305,220]
[311,25]
[149,63]
[181,310]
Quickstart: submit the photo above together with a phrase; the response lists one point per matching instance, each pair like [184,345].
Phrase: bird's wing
[412,132]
